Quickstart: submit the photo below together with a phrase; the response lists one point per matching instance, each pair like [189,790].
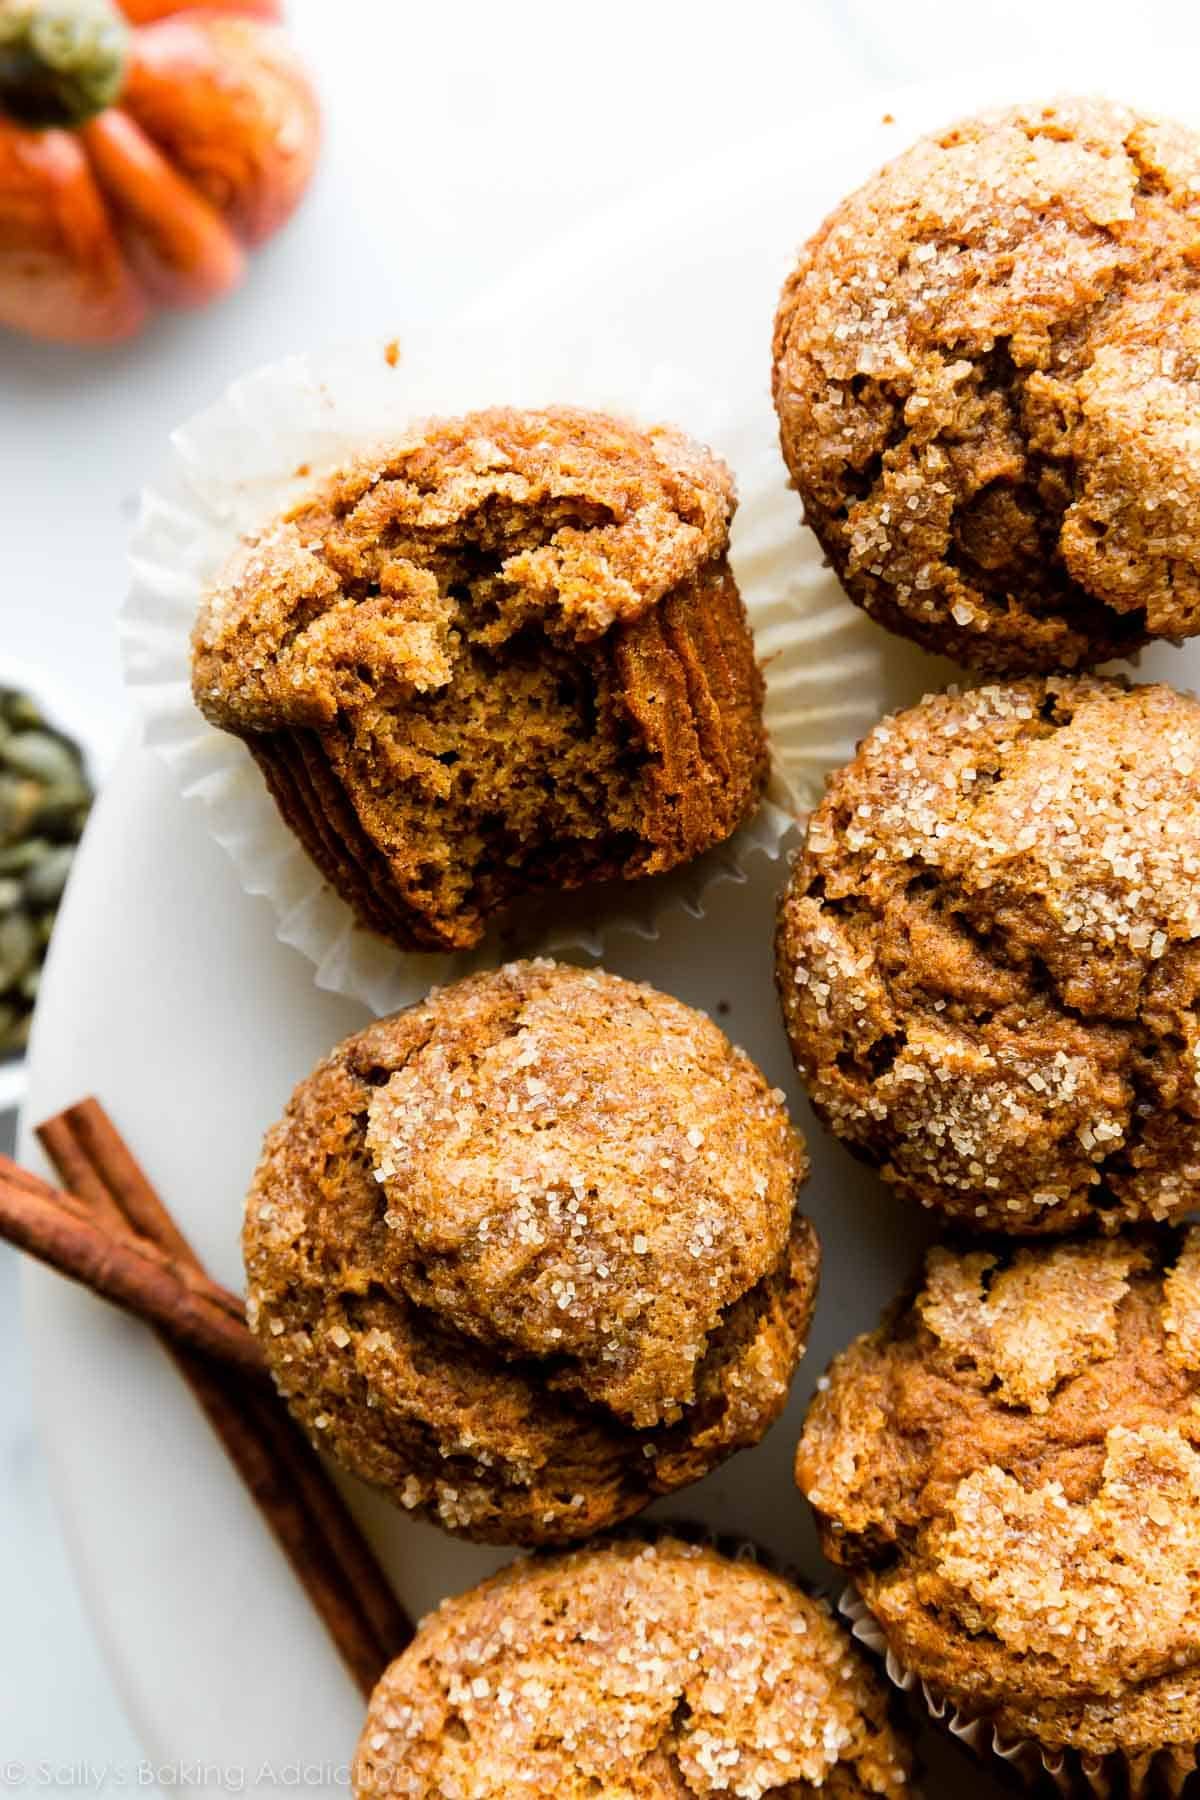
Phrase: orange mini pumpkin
[142,150]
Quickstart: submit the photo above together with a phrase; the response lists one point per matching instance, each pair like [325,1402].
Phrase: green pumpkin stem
[61,61]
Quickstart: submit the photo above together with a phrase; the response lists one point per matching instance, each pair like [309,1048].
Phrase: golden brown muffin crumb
[1034,1323]
[1010,1467]
[527,1255]
[989,954]
[633,1671]
[987,374]
[501,654]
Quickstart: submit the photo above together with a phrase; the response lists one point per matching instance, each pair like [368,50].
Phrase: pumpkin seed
[44,802]
[46,880]
[60,810]
[19,857]
[18,948]
[43,756]
[17,1037]
[20,711]
[20,803]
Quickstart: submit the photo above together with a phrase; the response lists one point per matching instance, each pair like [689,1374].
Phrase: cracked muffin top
[501,654]
[637,1671]
[527,1254]
[987,375]
[988,954]
[1010,1468]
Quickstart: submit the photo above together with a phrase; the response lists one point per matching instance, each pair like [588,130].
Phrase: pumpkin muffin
[504,653]
[637,1671]
[987,375]
[988,954]
[1010,1469]
[527,1255]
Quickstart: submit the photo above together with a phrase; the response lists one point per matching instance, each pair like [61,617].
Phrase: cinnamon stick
[94,1160]
[85,1141]
[134,1273]
[298,1500]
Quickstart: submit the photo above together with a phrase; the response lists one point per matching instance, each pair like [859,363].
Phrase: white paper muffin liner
[235,465]
[1164,1773]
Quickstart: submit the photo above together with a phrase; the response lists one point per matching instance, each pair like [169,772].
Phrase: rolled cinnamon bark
[134,1274]
[113,1234]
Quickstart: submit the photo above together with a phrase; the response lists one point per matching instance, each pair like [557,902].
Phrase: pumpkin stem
[61,61]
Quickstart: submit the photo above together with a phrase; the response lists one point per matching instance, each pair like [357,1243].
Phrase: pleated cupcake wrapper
[235,465]
[1162,1774]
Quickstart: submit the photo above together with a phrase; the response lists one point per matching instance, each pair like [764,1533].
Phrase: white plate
[169,996]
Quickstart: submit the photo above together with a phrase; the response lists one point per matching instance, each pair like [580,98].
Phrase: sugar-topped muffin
[988,954]
[634,1671]
[1010,1469]
[505,653]
[528,1255]
[987,375]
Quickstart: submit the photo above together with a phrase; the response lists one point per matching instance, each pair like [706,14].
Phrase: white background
[502,125]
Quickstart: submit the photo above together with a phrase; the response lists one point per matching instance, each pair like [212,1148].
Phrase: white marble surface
[504,124]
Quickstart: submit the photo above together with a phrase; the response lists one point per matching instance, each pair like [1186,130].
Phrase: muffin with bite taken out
[501,655]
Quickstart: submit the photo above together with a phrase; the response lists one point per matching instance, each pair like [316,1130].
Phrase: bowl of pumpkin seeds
[45,795]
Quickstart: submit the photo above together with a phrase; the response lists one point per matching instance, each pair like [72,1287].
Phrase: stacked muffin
[529,1254]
